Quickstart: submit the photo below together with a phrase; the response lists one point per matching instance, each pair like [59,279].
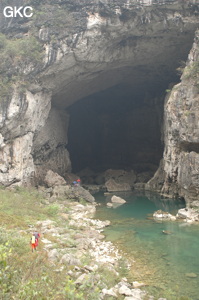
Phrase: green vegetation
[17,57]
[26,275]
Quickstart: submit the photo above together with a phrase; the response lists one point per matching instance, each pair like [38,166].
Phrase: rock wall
[20,119]
[91,46]
[49,145]
[181,155]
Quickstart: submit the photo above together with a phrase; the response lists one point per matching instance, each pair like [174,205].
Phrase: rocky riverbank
[188,215]
[78,241]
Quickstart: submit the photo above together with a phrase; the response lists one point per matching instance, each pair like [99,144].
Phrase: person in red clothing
[34,240]
[33,243]
[37,236]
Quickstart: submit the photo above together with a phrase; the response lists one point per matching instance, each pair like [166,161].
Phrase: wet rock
[167,232]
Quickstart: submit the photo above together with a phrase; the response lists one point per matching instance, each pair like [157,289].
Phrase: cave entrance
[118,128]
[114,93]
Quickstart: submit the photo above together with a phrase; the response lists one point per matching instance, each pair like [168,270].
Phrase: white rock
[137,284]
[124,290]
[116,199]
[137,294]
[109,292]
[188,213]
[80,279]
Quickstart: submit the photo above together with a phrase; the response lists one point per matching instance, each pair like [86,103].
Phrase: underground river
[167,264]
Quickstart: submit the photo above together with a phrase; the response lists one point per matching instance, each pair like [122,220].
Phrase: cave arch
[127,71]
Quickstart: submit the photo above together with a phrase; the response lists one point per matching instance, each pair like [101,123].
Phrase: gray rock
[81,279]
[113,186]
[136,294]
[188,213]
[53,179]
[70,260]
[53,255]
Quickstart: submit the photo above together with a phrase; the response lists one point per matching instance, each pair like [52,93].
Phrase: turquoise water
[168,264]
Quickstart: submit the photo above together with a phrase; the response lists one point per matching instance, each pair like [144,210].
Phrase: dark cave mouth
[118,128]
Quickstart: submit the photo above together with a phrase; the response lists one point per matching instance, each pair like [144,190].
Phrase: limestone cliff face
[89,46]
[181,155]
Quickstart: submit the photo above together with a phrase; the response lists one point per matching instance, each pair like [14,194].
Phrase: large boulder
[162,215]
[121,177]
[116,199]
[80,193]
[113,186]
[74,193]
[188,213]
[52,179]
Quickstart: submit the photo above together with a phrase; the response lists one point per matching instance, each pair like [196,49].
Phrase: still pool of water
[168,264]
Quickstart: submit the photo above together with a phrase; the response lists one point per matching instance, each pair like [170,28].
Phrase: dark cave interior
[118,128]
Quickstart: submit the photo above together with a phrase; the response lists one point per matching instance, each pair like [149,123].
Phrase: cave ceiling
[129,61]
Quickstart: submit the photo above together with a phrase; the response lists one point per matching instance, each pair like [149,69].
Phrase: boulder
[113,186]
[109,292]
[80,193]
[136,294]
[195,203]
[162,215]
[52,179]
[116,199]
[124,290]
[70,260]
[188,213]
[75,193]
[121,176]
[81,279]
